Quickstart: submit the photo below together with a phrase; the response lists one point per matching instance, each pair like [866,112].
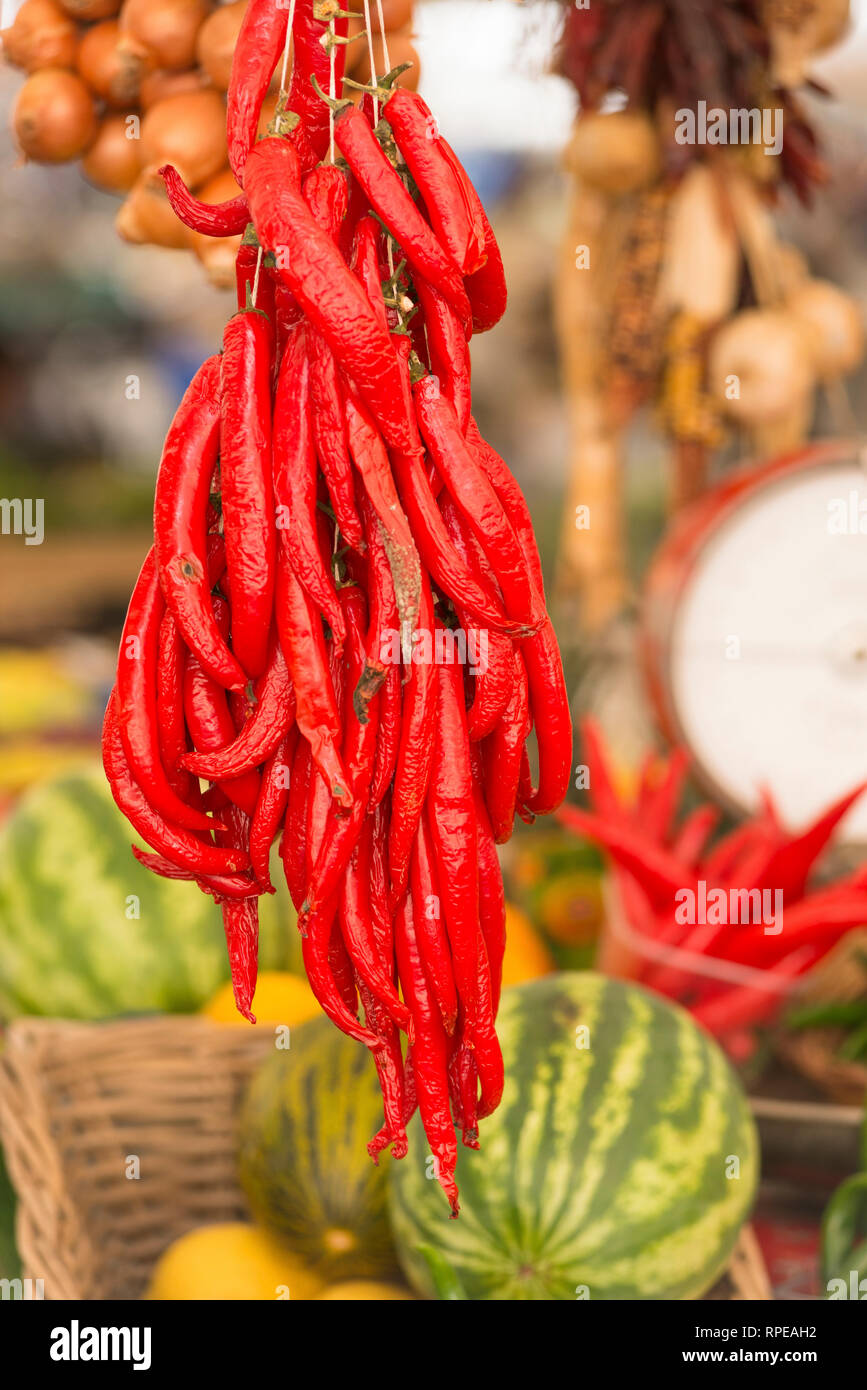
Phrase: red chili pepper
[303,643]
[258,48]
[448,349]
[137,699]
[315,948]
[464,1090]
[451,819]
[329,436]
[430,930]
[211,219]
[509,492]
[180,846]
[245,485]
[359,744]
[217,885]
[272,716]
[359,937]
[492,897]
[171,729]
[552,721]
[501,753]
[693,834]
[449,206]
[365,263]
[271,806]
[371,460]
[333,300]
[180,508]
[429,1054]
[487,1053]
[293,843]
[655,869]
[486,287]
[295,482]
[241,923]
[489,652]
[389,198]
[212,728]
[416,749]
[477,500]
[389,1068]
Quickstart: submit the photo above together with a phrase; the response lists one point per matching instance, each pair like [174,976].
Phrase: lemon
[527,957]
[231,1261]
[364,1290]
[280,998]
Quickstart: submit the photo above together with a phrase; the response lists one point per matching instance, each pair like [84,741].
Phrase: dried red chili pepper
[389,198]
[245,485]
[415,751]
[182,492]
[429,1053]
[171,729]
[451,210]
[448,349]
[295,482]
[271,805]
[137,699]
[430,932]
[501,753]
[333,300]
[359,937]
[174,843]
[241,924]
[211,219]
[272,715]
[451,819]
[258,48]
[293,843]
[217,885]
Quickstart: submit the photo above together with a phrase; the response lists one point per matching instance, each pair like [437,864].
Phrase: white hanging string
[289,24]
[332,89]
[368,29]
[385,57]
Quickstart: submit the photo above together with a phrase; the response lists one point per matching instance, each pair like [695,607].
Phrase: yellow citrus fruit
[527,957]
[280,998]
[364,1290]
[232,1260]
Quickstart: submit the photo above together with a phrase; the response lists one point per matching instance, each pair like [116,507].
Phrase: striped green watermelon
[604,1172]
[305,1123]
[71,944]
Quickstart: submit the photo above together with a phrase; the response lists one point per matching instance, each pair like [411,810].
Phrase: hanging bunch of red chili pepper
[685,898]
[339,640]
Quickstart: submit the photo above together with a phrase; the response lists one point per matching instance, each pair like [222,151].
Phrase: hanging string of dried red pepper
[341,628]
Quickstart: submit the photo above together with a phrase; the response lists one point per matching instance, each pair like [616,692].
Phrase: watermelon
[305,1123]
[604,1173]
[85,931]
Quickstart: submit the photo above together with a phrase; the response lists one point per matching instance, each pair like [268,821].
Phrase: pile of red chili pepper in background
[329,523]
[659,862]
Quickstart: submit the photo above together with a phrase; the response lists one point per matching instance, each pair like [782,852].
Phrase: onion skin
[161,83]
[217,254]
[111,73]
[216,40]
[42,35]
[54,117]
[769,352]
[617,152]
[187,131]
[112,162]
[833,324]
[146,218]
[89,10]
[164,32]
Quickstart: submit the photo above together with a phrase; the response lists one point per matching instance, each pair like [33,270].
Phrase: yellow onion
[41,36]
[161,83]
[833,325]
[215,45]
[400,50]
[188,131]
[617,152]
[112,162]
[217,254]
[109,71]
[54,117]
[89,10]
[146,217]
[765,350]
[164,31]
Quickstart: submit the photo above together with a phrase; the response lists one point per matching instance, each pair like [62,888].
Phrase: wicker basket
[79,1102]
[813,1052]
